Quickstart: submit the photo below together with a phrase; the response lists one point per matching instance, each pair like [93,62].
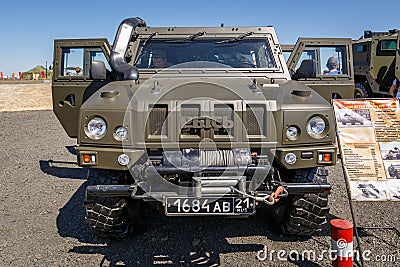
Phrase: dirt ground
[42,215]
[19,96]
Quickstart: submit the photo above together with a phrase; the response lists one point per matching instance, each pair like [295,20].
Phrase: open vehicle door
[78,72]
[308,65]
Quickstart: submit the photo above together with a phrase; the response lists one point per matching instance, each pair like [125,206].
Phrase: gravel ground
[42,216]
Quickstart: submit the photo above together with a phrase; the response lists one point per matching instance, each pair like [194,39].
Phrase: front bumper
[107,157]
[131,191]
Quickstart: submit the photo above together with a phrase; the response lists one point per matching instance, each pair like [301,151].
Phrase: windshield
[250,53]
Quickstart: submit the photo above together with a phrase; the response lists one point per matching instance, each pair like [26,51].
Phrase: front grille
[188,113]
[157,123]
[224,115]
[190,110]
[255,116]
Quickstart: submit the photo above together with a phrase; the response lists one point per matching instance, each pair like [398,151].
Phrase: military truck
[351,118]
[376,63]
[307,64]
[204,135]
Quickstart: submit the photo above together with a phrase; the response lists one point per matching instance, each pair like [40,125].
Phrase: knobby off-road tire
[107,216]
[306,214]
[362,91]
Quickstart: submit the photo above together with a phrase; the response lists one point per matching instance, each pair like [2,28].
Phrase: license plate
[209,206]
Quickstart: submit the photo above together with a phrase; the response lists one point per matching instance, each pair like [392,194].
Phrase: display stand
[353,217]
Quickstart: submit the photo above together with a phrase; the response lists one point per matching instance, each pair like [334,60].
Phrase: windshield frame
[269,47]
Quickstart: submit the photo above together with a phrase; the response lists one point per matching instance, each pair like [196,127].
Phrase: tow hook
[271,199]
[275,196]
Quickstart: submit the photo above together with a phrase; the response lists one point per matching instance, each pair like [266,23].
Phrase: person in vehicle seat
[159,59]
[241,61]
[245,63]
[78,71]
[394,89]
[332,64]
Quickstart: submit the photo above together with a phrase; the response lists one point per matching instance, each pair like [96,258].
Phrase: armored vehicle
[307,62]
[351,118]
[376,63]
[200,121]
[369,190]
[393,171]
[393,154]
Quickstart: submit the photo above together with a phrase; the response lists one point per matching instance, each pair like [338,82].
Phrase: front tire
[306,214]
[107,216]
[362,91]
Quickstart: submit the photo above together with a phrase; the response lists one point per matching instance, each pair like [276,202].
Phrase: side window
[72,62]
[333,60]
[308,54]
[306,66]
[320,60]
[76,61]
[389,45]
[98,55]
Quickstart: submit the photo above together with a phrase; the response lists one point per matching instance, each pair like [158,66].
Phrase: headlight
[96,128]
[292,133]
[290,158]
[123,159]
[121,133]
[316,126]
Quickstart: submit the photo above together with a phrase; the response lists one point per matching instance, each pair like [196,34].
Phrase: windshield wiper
[236,39]
[188,39]
[144,44]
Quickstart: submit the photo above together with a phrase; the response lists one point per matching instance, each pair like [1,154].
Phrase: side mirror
[98,70]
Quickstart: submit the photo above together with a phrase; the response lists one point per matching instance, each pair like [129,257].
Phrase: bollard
[342,243]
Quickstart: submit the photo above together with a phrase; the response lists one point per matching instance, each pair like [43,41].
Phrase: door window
[325,60]
[76,61]
[72,62]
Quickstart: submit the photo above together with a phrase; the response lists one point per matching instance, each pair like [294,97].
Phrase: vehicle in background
[376,59]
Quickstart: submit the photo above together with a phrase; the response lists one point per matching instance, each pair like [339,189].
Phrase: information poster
[369,138]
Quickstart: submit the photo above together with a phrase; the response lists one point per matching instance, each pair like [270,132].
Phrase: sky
[28,29]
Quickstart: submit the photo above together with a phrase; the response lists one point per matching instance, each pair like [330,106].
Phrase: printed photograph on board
[390,150]
[353,117]
[368,190]
[392,169]
[394,190]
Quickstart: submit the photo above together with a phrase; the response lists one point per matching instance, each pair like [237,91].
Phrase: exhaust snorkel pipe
[121,42]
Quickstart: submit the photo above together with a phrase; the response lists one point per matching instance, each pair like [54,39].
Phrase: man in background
[332,64]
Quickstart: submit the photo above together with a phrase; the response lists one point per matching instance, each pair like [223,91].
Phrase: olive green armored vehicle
[376,63]
[201,121]
[308,64]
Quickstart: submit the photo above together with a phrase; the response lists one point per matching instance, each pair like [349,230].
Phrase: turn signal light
[89,159]
[325,157]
